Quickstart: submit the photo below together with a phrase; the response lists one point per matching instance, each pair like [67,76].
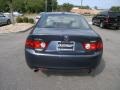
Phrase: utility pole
[46,5]
[81,2]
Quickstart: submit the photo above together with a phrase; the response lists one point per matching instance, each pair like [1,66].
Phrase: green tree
[35,6]
[31,6]
[67,7]
[52,5]
[55,4]
[96,7]
[19,5]
[4,5]
[115,9]
[84,7]
[59,8]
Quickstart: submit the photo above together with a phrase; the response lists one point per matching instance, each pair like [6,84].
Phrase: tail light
[93,46]
[35,44]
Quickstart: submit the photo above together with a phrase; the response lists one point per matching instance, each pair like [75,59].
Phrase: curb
[18,31]
[25,30]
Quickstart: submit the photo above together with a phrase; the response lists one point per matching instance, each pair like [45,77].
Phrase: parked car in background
[15,14]
[6,14]
[63,41]
[4,20]
[107,19]
[38,17]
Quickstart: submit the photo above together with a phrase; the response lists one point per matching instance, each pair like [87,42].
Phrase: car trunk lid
[67,41]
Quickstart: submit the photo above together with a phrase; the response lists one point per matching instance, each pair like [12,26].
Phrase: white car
[7,14]
[15,14]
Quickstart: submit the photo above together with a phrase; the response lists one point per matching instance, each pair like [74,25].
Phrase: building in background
[85,11]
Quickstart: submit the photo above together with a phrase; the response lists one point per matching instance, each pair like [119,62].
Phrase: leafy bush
[19,20]
[25,19]
[115,9]
[30,20]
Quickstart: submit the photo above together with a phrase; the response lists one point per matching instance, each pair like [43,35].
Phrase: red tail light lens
[99,45]
[93,46]
[29,43]
[36,44]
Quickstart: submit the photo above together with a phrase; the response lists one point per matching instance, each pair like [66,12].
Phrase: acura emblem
[66,38]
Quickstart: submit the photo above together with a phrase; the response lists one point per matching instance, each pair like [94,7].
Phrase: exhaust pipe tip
[40,69]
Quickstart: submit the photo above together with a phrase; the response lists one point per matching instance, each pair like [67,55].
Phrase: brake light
[93,46]
[99,45]
[35,44]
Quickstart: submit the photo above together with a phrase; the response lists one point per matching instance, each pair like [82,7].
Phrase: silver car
[4,20]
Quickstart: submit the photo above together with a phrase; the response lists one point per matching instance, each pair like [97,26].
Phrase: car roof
[60,13]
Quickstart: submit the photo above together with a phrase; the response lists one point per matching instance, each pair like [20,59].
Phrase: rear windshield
[114,14]
[63,21]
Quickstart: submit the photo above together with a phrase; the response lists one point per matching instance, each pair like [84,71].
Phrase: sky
[101,4]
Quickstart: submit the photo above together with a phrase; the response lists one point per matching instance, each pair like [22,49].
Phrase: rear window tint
[114,14]
[63,21]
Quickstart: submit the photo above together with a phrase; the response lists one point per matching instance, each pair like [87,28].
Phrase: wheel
[89,70]
[8,22]
[93,23]
[102,25]
[116,28]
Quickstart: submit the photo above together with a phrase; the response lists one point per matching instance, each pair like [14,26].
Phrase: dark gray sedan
[63,41]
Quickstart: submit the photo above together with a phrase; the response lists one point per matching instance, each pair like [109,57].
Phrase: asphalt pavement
[15,74]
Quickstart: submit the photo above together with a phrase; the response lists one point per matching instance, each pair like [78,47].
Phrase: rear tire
[8,22]
[93,23]
[116,28]
[89,70]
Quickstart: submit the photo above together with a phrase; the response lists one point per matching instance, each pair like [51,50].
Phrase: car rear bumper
[112,24]
[62,62]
